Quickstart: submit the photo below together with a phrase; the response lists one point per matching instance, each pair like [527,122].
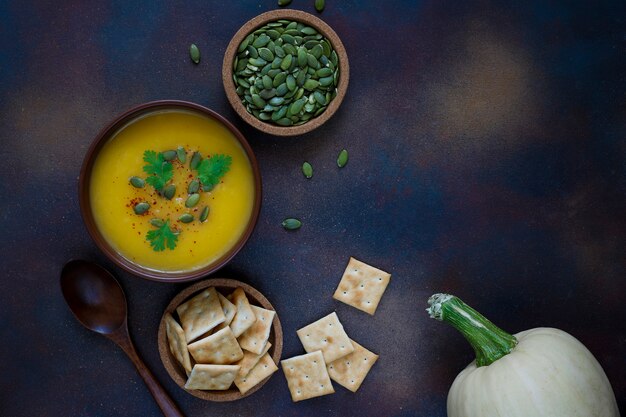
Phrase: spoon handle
[165,402]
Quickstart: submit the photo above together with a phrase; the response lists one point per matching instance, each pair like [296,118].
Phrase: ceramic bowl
[117,125]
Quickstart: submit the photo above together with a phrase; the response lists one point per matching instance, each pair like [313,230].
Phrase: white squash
[542,372]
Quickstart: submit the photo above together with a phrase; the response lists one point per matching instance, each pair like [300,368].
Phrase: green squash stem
[489,342]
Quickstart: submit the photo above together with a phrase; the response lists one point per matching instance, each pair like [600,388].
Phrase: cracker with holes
[177,342]
[362,286]
[211,377]
[255,338]
[244,318]
[250,359]
[328,336]
[351,370]
[219,348]
[229,312]
[200,314]
[307,376]
[263,368]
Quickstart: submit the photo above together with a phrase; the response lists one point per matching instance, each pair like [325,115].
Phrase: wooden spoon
[98,302]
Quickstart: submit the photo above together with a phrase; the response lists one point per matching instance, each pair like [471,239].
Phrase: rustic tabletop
[487,159]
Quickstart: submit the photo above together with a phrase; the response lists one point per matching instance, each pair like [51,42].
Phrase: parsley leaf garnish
[211,170]
[162,237]
[158,169]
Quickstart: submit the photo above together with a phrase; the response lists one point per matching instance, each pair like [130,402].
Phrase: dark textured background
[487,159]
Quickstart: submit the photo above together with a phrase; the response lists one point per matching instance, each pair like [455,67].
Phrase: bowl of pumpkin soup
[170,191]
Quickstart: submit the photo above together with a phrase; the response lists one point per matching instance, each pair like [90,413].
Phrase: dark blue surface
[487,159]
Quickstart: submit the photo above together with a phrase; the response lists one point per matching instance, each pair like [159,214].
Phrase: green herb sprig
[162,237]
[158,169]
[211,170]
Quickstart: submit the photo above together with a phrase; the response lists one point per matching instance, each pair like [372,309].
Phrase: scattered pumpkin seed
[137,182]
[204,214]
[157,222]
[307,170]
[141,208]
[169,191]
[192,200]
[186,218]
[283,3]
[193,187]
[342,159]
[169,155]
[181,154]
[319,5]
[194,53]
[196,159]
[291,224]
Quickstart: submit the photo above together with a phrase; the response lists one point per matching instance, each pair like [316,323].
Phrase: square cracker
[362,286]
[244,318]
[219,348]
[177,342]
[264,368]
[229,312]
[326,334]
[200,314]
[307,376]
[211,377]
[351,370]
[255,338]
[249,360]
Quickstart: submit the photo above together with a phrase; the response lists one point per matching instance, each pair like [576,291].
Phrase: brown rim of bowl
[175,370]
[85,207]
[320,26]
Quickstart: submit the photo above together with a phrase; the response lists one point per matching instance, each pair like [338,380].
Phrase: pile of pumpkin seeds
[286,73]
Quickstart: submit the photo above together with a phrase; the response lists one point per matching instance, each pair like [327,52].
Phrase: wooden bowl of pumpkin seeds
[285,72]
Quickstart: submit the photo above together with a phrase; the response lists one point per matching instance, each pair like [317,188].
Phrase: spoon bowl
[98,303]
[94,296]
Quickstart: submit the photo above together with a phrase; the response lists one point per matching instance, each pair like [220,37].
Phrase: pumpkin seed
[291,82]
[342,159]
[302,61]
[181,154]
[141,208]
[266,54]
[319,5]
[157,222]
[279,51]
[267,82]
[186,218]
[286,62]
[169,191]
[193,187]
[261,41]
[192,200]
[311,84]
[196,158]
[307,170]
[137,182]
[284,122]
[258,101]
[288,39]
[307,30]
[204,214]
[291,224]
[282,89]
[169,155]
[194,53]
[284,3]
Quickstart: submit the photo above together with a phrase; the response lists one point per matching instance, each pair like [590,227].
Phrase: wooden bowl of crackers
[220,339]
